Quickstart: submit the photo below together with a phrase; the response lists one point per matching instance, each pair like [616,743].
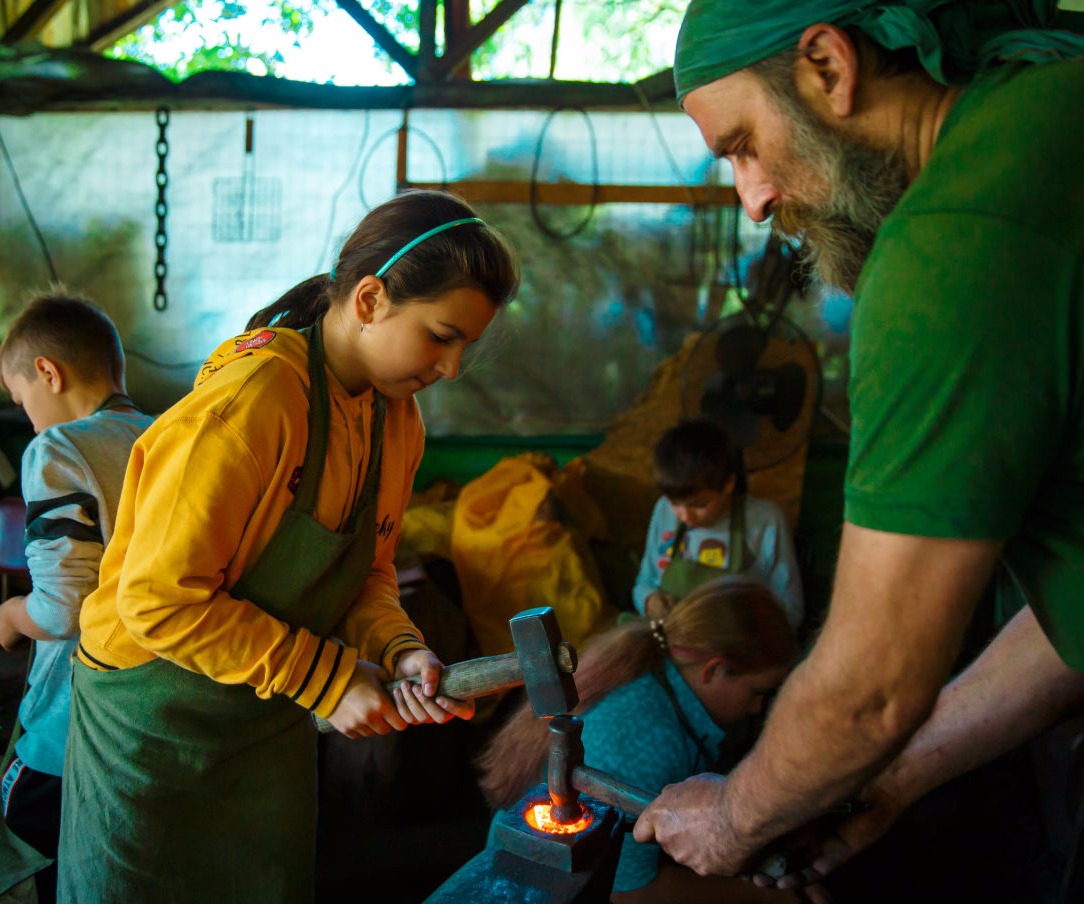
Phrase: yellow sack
[427,528]
[512,552]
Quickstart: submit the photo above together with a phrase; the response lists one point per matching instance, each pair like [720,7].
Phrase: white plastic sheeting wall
[595,315]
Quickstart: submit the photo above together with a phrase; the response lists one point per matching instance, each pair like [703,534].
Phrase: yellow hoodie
[204,491]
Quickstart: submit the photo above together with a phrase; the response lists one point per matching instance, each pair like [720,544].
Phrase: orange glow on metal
[540,816]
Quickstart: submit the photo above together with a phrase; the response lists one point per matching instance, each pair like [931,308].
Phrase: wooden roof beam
[456,23]
[486,191]
[657,87]
[427,35]
[383,38]
[455,55]
[33,19]
[107,33]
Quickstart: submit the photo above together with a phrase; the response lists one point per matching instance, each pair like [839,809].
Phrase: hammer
[542,663]
[568,776]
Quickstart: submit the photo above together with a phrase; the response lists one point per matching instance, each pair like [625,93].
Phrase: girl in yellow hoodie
[250,581]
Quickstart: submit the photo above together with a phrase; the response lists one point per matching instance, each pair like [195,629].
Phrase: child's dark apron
[189,790]
[682,575]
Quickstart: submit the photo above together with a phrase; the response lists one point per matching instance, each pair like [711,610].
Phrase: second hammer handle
[609,790]
[473,677]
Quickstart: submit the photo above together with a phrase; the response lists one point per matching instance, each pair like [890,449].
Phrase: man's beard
[862,186]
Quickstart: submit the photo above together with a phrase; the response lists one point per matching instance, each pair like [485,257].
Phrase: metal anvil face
[522,865]
[570,852]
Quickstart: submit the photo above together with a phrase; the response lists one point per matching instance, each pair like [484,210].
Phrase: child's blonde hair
[730,616]
[68,329]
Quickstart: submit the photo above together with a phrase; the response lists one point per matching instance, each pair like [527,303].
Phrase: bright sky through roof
[339,51]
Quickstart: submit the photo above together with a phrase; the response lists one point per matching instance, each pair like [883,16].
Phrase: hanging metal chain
[160,210]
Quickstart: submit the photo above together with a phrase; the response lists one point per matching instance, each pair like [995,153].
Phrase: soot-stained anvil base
[525,866]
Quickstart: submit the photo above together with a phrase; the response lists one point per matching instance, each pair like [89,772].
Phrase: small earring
[362,330]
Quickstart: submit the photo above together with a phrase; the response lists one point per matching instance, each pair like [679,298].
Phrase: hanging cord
[772,283]
[161,179]
[735,247]
[556,32]
[535,214]
[701,230]
[376,145]
[671,159]
[326,246]
[707,227]
[29,215]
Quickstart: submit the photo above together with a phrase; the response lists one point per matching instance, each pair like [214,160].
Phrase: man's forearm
[780,787]
[898,613]
[1015,689]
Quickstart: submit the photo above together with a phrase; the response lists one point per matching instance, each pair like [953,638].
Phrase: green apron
[188,790]
[18,860]
[682,575]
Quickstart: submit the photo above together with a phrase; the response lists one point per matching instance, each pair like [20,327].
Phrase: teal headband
[413,243]
[953,38]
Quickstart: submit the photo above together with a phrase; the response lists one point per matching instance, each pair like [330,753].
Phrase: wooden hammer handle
[609,790]
[475,677]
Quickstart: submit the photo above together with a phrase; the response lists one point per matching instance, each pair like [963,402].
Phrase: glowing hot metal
[540,816]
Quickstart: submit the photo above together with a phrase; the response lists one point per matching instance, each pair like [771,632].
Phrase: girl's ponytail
[298,308]
[731,616]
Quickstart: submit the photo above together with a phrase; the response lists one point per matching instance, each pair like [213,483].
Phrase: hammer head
[546,662]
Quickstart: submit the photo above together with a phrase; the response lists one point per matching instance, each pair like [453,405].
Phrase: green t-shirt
[967,359]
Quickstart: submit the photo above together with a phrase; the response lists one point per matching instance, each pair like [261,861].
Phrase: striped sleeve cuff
[401,643]
[326,677]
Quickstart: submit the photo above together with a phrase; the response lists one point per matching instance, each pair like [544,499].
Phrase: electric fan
[756,372]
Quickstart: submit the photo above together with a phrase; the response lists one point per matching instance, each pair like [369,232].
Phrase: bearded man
[930,155]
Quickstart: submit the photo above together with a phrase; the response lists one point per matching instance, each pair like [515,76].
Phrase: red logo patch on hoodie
[258,341]
[295,481]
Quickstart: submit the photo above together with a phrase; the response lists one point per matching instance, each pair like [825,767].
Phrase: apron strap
[658,672]
[319,414]
[312,469]
[736,563]
[736,560]
[117,400]
[679,540]
[376,444]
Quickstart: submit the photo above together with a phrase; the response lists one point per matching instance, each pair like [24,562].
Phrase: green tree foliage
[221,46]
[243,35]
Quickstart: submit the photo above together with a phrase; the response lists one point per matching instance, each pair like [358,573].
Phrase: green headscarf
[953,38]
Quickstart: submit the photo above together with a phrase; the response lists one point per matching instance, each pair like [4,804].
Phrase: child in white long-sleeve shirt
[701,529]
[62,361]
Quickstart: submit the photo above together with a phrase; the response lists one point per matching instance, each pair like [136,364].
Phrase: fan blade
[739,403]
[788,396]
[738,349]
[739,420]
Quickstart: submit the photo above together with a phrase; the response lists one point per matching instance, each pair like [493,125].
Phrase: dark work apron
[188,790]
[682,575]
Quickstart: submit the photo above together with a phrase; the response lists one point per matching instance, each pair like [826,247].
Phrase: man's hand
[689,821]
[830,841]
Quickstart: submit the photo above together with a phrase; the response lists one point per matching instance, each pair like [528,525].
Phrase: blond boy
[63,363]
